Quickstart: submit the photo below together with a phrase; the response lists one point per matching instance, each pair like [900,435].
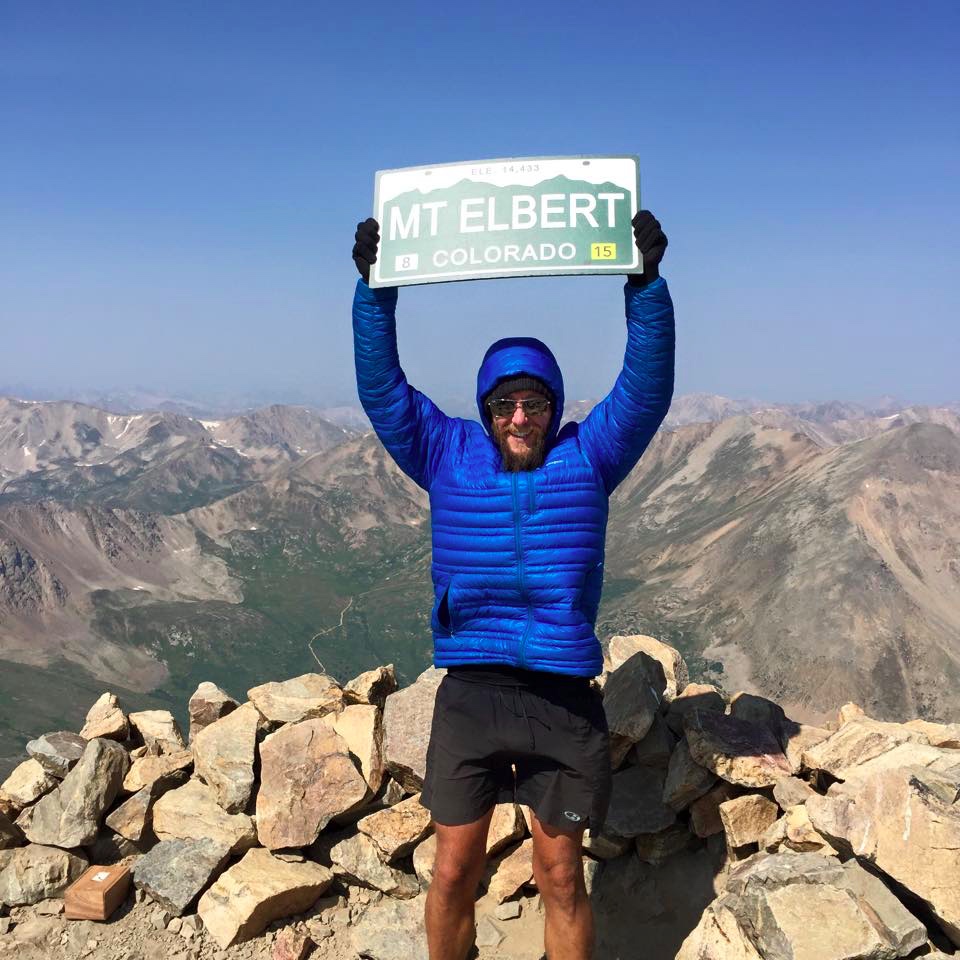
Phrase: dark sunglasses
[502,407]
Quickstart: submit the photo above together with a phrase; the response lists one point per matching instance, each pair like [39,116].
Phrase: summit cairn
[290,825]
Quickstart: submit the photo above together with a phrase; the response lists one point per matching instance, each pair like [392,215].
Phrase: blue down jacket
[517,557]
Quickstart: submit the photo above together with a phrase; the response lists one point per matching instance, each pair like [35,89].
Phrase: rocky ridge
[290,824]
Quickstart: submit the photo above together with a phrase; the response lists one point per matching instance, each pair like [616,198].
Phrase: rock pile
[291,822]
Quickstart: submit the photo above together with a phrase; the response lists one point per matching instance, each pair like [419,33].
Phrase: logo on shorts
[570,815]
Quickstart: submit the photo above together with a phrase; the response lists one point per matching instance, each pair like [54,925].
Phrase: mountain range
[806,552]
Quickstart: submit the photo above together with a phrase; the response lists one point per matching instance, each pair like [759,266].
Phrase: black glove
[365,249]
[651,242]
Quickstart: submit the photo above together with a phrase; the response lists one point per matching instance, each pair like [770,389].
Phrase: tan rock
[133,818]
[150,771]
[396,830]
[939,734]
[848,712]
[507,825]
[106,719]
[374,686]
[605,846]
[795,738]
[739,752]
[856,742]
[256,891]
[361,726]
[34,873]
[705,812]
[26,784]
[789,791]
[407,718]
[191,812]
[694,696]
[207,705]
[291,944]
[424,857]
[512,873]
[717,936]
[897,820]
[302,698]
[223,755]
[774,836]
[159,730]
[358,857]
[306,779]
[70,816]
[745,819]
[676,677]
[800,835]
[655,848]
[686,779]
[632,697]
[393,931]
[934,760]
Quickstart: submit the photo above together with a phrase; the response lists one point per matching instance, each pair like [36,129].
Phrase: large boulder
[257,890]
[70,816]
[907,824]
[57,752]
[358,858]
[407,717]
[373,686]
[796,738]
[207,705]
[191,812]
[106,719]
[938,734]
[176,872]
[307,778]
[160,732]
[223,756]
[620,649]
[158,772]
[694,696]
[686,779]
[856,742]
[361,726]
[632,696]
[34,873]
[393,931]
[396,830]
[26,784]
[301,698]
[740,752]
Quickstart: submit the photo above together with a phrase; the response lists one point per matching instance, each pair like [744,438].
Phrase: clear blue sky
[180,182]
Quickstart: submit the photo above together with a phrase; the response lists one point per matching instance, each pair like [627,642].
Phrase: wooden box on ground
[97,893]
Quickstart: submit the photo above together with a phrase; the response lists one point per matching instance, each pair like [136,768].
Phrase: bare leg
[461,858]
[558,870]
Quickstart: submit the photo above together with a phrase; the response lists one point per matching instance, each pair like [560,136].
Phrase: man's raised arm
[410,425]
[618,429]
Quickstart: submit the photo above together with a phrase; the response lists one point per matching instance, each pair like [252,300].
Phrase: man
[519,513]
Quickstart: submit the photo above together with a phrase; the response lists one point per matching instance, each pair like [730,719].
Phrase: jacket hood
[513,357]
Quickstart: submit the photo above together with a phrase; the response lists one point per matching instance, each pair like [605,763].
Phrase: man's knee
[456,873]
[559,881]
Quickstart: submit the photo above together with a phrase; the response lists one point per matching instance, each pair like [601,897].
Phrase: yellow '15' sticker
[603,251]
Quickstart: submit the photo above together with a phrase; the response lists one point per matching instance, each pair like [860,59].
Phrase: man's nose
[519,415]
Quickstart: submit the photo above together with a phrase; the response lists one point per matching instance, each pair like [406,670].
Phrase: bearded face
[522,438]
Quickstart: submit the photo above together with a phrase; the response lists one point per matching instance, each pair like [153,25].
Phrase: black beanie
[523,382]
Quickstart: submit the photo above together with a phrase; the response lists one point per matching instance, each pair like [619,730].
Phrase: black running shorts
[543,744]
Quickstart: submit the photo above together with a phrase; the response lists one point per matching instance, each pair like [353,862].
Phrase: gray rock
[223,755]
[509,910]
[174,873]
[10,835]
[656,748]
[636,803]
[57,752]
[71,815]
[789,791]
[407,717]
[207,705]
[488,934]
[632,696]
[110,847]
[686,779]
[133,818]
[694,696]
[357,857]
[393,930]
[34,873]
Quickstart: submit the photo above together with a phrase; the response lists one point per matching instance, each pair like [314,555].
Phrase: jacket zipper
[520,581]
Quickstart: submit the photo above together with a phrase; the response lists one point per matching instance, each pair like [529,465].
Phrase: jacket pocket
[443,617]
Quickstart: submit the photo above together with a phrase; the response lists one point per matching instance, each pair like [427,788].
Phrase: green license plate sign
[506,218]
